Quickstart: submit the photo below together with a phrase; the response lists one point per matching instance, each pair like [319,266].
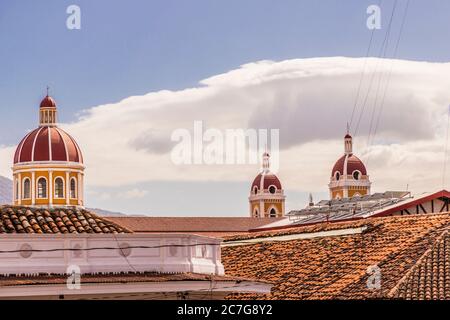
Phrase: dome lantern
[48,111]
[348,144]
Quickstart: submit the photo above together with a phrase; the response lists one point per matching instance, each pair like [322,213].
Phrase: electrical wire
[362,75]
[382,52]
[390,71]
[116,248]
[445,151]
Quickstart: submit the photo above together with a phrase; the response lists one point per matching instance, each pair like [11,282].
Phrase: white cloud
[133,194]
[309,100]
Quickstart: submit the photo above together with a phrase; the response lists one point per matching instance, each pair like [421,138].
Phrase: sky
[138,70]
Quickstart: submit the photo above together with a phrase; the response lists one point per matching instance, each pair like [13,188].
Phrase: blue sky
[127,48]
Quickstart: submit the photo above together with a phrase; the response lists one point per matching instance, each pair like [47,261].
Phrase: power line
[362,76]
[121,248]
[445,151]
[390,71]
[382,52]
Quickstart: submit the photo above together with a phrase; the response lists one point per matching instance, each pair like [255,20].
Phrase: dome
[267,180]
[48,102]
[353,163]
[48,143]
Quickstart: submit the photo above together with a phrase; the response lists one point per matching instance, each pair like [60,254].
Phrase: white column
[82,189]
[50,188]
[79,191]
[33,188]
[345,192]
[262,209]
[20,189]
[14,189]
[67,188]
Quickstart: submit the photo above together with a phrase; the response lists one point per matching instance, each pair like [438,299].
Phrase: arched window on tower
[26,189]
[42,188]
[59,188]
[273,213]
[73,188]
[256,213]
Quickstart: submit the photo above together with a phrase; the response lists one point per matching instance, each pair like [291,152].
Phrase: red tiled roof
[219,226]
[353,163]
[429,278]
[269,179]
[48,144]
[15,219]
[48,102]
[410,252]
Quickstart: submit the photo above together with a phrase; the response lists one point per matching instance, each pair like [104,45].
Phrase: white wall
[158,252]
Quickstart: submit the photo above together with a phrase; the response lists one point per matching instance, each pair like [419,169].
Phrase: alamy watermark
[374,279]
[73,281]
[230,146]
[374,19]
[73,21]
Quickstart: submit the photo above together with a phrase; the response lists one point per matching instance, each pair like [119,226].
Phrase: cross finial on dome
[48,89]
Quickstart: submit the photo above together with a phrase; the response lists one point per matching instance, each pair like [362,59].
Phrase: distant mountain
[6,197]
[106,213]
[6,190]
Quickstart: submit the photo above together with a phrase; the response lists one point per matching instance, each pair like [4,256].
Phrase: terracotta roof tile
[59,220]
[199,225]
[429,278]
[411,252]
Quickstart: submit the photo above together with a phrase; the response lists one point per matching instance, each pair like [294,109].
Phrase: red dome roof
[48,102]
[353,163]
[48,144]
[268,180]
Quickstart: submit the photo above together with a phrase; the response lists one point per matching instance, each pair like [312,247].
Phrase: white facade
[30,254]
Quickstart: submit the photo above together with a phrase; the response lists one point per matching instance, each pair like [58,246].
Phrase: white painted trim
[256,213]
[48,164]
[19,198]
[33,189]
[37,187]
[272,185]
[359,175]
[64,141]
[23,142]
[34,144]
[52,253]
[70,188]
[54,189]
[50,187]
[23,188]
[80,155]
[270,209]
[50,147]
[102,289]
[298,236]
